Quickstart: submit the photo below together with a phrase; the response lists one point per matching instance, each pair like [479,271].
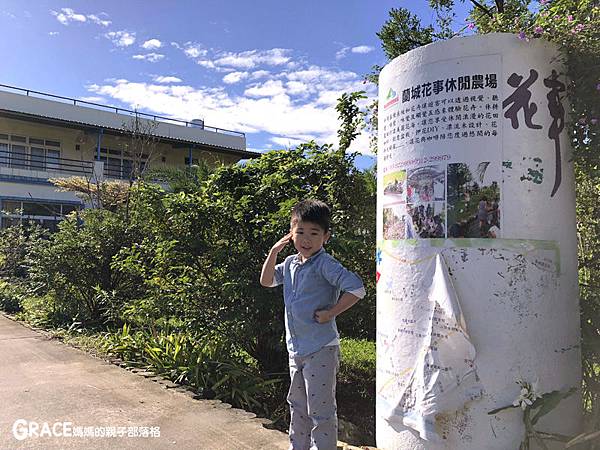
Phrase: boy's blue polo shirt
[315,284]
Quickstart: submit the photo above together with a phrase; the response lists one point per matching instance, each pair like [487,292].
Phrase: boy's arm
[346,301]
[268,268]
[350,284]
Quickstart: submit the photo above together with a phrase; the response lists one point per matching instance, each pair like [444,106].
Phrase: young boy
[312,282]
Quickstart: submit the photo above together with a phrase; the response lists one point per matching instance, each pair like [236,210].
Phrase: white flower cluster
[529,393]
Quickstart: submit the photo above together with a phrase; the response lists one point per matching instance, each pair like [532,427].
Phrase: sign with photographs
[436,181]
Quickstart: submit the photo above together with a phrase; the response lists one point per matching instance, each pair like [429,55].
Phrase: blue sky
[270,68]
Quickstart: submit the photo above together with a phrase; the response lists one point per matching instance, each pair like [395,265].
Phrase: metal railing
[117,110]
[45,163]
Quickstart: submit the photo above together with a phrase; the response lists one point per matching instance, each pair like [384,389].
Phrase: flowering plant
[529,394]
[535,405]
[574,26]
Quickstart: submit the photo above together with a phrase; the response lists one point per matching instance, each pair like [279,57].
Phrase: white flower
[527,395]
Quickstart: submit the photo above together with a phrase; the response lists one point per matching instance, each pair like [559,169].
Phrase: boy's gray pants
[313,411]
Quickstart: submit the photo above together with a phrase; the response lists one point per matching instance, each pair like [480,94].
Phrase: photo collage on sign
[394,210]
[473,201]
[426,197]
[458,200]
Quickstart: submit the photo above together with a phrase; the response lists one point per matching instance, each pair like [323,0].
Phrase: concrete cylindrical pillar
[477,263]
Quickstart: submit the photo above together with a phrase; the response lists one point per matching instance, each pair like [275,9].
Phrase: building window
[18,155]
[24,152]
[46,214]
[4,154]
[121,164]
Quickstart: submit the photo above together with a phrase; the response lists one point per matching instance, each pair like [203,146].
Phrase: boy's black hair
[314,211]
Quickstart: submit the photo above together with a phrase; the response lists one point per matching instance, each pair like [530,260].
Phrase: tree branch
[483,8]
[412,41]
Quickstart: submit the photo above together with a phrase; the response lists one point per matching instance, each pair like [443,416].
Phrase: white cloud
[150,57]
[316,74]
[291,106]
[259,74]
[294,65]
[328,97]
[223,61]
[271,114]
[53,33]
[68,15]
[98,21]
[235,77]
[287,142]
[361,144]
[206,63]
[296,88]
[166,79]
[92,99]
[270,88]
[260,150]
[252,58]
[152,44]
[342,53]
[194,50]
[362,49]
[121,38]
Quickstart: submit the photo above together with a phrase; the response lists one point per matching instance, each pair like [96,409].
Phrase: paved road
[45,381]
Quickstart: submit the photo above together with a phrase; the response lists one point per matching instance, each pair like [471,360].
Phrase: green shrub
[39,311]
[202,260]
[17,245]
[212,364]
[76,264]
[11,296]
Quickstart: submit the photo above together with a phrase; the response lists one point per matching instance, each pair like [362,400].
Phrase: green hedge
[357,359]
[356,386]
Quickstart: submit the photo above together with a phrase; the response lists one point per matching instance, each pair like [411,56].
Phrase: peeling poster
[437,372]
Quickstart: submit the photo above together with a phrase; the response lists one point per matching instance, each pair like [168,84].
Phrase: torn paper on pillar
[438,373]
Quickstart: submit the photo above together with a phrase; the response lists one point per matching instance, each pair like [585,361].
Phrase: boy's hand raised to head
[268,269]
[281,243]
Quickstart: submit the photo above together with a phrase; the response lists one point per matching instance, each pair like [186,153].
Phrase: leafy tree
[403,32]
[351,117]
[17,244]
[106,194]
[188,180]
[75,265]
